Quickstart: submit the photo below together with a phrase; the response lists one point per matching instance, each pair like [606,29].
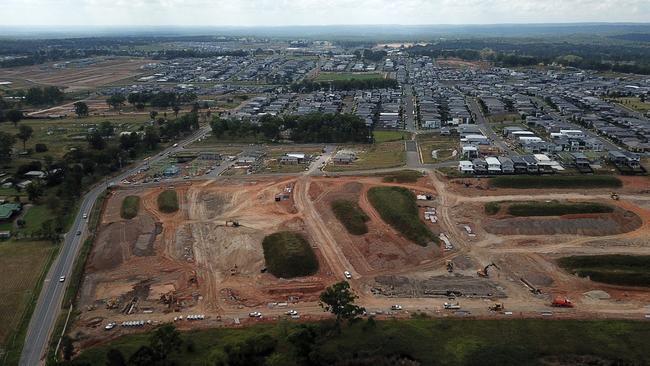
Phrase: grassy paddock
[457,342]
[387,136]
[130,207]
[375,156]
[402,176]
[556,181]
[626,270]
[557,208]
[351,216]
[397,207]
[288,254]
[168,201]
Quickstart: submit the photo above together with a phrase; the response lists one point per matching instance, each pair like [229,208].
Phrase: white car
[255,314]
[85,216]
[175,145]
[62,279]
[396,307]
[109,326]
[347,275]
[292,312]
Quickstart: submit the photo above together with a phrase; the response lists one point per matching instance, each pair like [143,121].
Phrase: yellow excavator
[614,196]
[484,272]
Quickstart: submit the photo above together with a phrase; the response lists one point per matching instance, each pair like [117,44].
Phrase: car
[78,232]
[347,275]
[110,326]
[255,314]
[62,279]
[85,216]
[175,145]
[292,312]
[396,307]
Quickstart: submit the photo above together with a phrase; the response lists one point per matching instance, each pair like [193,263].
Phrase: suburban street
[482,124]
[49,303]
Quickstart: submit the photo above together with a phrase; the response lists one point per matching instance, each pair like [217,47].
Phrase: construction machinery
[232,223]
[562,302]
[484,272]
[496,307]
[452,306]
[614,196]
[450,266]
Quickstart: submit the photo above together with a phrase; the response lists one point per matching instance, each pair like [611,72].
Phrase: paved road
[49,304]
[409,110]
[483,125]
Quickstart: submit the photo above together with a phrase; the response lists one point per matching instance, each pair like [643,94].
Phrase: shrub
[288,254]
[351,216]
[402,176]
[168,201]
[491,208]
[130,207]
[580,181]
[397,207]
[556,208]
[40,148]
[625,270]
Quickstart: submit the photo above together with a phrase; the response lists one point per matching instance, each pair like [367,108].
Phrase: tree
[176,109]
[151,137]
[144,356]
[106,129]
[24,133]
[153,115]
[115,358]
[6,142]
[115,100]
[338,299]
[96,141]
[67,348]
[165,340]
[14,116]
[81,109]
[34,191]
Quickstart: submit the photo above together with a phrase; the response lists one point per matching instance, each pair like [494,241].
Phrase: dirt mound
[618,222]
[120,240]
[436,286]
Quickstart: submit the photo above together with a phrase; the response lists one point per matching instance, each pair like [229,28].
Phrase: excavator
[450,266]
[232,223]
[614,196]
[496,307]
[484,272]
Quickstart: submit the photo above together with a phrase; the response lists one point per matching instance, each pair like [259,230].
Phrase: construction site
[206,259]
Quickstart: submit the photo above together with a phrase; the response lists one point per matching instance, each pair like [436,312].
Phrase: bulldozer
[484,272]
[496,307]
[232,223]
[562,302]
[614,196]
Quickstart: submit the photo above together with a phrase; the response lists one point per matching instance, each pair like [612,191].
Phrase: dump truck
[562,302]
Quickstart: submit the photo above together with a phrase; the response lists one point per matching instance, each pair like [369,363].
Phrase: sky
[315,12]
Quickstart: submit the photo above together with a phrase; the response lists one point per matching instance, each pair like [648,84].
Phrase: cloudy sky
[317,12]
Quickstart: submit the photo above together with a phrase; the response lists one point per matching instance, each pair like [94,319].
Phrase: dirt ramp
[618,222]
[436,286]
[120,240]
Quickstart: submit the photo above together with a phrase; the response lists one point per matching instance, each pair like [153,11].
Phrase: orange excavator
[562,302]
[484,272]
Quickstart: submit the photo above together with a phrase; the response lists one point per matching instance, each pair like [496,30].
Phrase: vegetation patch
[168,201]
[380,136]
[351,216]
[579,181]
[402,176]
[458,342]
[625,270]
[130,207]
[555,208]
[492,208]
[288,254]
[397,207]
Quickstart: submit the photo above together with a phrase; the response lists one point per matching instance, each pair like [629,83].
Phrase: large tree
[165,340]
[24,133]
[116,100]
[6,142]
[81,109]
[14,116]
[338,299]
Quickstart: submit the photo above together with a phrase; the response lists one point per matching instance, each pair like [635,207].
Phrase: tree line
[315,127]
[306,86]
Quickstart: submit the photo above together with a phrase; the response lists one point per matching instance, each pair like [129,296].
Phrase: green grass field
[626,270]
[168,201]
[288,254]
[633,103]
[22,264]
[556,208]
[335,76]
[397,207]
[35,217]
[130,207]
[387,136]
[443,145]
[376,156]
[556,181]
[452,342]
[351,216]
[491,208]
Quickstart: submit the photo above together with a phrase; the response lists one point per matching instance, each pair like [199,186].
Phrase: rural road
[50,299]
